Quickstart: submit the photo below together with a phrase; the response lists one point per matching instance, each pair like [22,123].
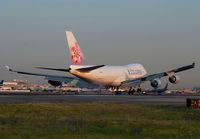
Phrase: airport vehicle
[1,83]
[129,76]
[196,89]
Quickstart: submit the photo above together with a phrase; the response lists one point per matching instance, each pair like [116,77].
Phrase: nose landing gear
[117,92]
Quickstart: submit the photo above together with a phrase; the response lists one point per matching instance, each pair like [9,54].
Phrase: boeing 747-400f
[130,76]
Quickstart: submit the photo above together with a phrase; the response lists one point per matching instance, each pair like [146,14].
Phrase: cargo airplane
[126,76]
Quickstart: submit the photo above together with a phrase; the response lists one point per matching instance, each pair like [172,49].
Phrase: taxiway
[134,99]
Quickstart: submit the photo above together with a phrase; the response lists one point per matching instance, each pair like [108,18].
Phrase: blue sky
[159,34]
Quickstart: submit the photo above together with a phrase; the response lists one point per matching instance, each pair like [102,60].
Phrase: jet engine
[54,83]
[174,79]
[155,83]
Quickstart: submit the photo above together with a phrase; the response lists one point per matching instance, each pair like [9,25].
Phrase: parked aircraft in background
[131,75]
[158,90]
[196,89]
[52,89]
[1,83]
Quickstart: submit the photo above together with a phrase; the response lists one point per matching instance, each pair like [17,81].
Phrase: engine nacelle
[54,83]
[174,79]
[155,83]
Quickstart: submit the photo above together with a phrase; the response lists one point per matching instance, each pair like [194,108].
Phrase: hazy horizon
[159,34]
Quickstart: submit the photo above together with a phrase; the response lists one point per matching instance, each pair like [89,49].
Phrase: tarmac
[132,99]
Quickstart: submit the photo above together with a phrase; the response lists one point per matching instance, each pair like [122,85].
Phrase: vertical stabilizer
[77,56]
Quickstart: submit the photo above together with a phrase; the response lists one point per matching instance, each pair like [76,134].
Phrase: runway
[135,99]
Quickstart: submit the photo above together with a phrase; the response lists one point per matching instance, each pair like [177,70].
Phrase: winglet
[8,68]
[193,62]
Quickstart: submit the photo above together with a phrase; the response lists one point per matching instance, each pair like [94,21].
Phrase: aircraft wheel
[132,91]
[139,90]
[159,93]
[116,92]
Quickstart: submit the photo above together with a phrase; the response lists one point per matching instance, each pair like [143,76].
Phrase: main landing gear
[133,90]
[117,92]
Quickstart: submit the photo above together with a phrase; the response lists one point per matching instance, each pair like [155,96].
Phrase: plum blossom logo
[76,53]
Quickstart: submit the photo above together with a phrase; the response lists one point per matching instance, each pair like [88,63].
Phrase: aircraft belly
[111,80]
[105,76]
[95,79]
[105,81]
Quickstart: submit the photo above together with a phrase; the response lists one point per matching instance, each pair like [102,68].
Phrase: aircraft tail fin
[77,56]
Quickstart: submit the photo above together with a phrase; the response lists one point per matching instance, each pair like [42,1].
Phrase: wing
[47,76]
[158,75]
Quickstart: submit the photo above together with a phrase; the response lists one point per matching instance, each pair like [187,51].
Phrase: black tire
[139,90]
[116,92]
[133,91]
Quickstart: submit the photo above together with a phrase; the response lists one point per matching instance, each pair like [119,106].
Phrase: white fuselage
[109,75]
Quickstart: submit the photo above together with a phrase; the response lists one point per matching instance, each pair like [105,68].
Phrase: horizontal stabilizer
[88,69]
[65,70]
